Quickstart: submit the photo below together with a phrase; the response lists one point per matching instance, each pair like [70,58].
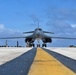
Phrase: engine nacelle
[45,40]
[29,40]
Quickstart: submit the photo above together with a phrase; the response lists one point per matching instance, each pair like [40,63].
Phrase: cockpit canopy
[38,29]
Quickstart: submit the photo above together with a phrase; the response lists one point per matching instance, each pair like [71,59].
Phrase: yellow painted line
[45,64]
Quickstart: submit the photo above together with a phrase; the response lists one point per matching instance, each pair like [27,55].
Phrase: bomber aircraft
[38,34]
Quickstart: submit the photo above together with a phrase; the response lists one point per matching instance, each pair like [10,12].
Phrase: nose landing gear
[38,45]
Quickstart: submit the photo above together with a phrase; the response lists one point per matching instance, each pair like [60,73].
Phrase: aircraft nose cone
[38,34]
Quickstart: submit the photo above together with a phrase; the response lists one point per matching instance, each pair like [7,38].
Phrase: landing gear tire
[44,45]
[38,45]
[28,44]
[33,45]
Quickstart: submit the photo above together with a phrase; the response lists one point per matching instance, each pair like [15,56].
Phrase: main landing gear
[30,44]
[44,45]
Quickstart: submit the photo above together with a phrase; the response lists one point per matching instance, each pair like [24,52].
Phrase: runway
[36,61]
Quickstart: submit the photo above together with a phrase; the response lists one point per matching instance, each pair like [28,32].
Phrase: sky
[18,16]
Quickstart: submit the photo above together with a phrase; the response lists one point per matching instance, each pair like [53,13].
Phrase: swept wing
[28,32]
[16,37]
[48,32]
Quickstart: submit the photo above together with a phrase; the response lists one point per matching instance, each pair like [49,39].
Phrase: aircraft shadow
[68,62]
[19,65]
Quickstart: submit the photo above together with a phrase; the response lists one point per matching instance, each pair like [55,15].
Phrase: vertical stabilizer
[38,24]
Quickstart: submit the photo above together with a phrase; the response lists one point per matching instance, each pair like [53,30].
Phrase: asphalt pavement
[68,62]
[19,65]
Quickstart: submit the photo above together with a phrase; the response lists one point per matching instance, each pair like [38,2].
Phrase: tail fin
[38,24]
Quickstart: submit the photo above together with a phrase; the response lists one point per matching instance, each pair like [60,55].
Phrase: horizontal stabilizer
[28,32]
[48,32]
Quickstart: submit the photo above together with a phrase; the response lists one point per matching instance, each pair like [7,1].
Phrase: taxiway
[37,61]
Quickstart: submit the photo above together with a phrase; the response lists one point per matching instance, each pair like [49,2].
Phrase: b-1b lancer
[37,34]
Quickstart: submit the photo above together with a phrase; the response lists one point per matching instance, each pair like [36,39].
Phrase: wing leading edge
[63,38]
[55,37]
[12,37]
[28,32]
[16,37]
[48,32]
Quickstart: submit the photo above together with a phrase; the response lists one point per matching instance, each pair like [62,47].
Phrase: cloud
[62,21]
[8,32]
[73,25]
[61,13]
[1,26]
[34,18]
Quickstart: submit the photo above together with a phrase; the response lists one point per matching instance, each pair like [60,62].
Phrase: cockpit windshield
[38,29]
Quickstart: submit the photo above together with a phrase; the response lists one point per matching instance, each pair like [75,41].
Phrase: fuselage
[38,33]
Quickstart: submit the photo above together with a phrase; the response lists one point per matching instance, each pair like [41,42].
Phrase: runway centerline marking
[45,64]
